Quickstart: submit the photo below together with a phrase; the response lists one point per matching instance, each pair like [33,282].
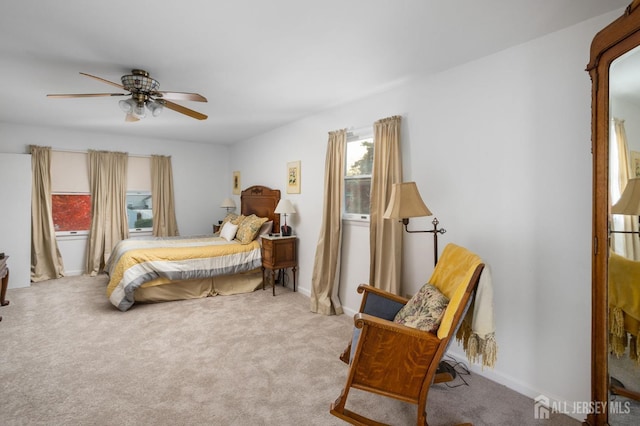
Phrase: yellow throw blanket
[624,305]
[477,330]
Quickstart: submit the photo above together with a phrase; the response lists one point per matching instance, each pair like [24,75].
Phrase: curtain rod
[78,151]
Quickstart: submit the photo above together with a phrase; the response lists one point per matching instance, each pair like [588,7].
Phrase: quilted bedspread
[151,261]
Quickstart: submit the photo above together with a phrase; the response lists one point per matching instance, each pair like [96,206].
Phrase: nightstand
[216,228]
[279,253]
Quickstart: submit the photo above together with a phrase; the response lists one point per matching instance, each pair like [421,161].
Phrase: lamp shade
[629,202]
[284,207]
[228,203]
[405,202]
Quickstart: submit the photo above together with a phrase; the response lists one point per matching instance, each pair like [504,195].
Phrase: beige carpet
[68,357]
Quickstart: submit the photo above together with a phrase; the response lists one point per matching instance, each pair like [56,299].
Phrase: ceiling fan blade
[84,95]
[130,118]
[183,110]
[119,86]
[181,96]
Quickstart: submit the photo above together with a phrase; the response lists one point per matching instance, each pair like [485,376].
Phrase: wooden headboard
[262,202]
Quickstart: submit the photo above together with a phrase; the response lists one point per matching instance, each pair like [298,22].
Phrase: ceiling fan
[144,92]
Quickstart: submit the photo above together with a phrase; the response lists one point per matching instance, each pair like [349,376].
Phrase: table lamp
[285,207]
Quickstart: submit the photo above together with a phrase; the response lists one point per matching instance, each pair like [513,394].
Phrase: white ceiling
[261,64]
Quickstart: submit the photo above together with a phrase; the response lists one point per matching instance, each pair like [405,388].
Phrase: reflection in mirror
[624,241]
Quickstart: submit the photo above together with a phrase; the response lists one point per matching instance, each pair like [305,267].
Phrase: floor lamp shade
[629,202]
[405,202]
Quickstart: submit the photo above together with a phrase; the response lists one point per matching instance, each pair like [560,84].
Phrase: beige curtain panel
[46,261]
[164,211]
[630,243]
[325,280]
[385,236]
[108,185]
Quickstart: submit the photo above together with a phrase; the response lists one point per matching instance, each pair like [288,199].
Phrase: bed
[160,269]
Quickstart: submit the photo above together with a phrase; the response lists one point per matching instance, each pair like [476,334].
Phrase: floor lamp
[405,203]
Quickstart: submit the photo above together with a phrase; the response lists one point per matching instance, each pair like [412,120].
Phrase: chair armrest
[366,288]
[380,303]
[360,319]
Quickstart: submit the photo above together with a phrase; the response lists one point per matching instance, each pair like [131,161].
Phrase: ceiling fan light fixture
[139,111]
[155,107]
[127,105]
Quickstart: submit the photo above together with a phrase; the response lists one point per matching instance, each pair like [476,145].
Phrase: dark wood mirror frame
[613,41]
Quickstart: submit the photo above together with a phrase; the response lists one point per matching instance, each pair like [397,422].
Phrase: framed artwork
[236,183]
[635,164]
[293,177]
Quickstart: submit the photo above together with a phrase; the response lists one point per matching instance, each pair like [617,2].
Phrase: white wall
[201,175]
[500,150]
[15,216]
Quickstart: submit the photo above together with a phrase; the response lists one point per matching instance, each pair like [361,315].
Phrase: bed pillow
[228,231]
[424,310]
[233,218]
[249,228]
[266,228]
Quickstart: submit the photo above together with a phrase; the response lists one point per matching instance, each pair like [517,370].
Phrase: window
[71,213]
[357,179]
[139,213]
[71,199]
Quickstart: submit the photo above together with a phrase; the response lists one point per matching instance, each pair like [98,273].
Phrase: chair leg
[337,408]
[357,419]
[346,354]
[442,377]
[422,414]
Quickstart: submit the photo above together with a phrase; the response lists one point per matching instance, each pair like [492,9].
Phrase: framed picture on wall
[635,164]
[236,183]
[293,177]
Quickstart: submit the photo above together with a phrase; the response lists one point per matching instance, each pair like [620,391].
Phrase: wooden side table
[4,281]
[279,253]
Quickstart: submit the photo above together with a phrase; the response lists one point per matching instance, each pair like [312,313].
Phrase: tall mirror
[624,238]
[615,73]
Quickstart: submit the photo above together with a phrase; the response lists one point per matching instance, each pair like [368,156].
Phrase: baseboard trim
[511,383]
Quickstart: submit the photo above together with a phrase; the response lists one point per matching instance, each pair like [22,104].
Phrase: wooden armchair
[401,362]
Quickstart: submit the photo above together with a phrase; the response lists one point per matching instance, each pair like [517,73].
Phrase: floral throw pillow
[425,310]
[248,229]
[232,218]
